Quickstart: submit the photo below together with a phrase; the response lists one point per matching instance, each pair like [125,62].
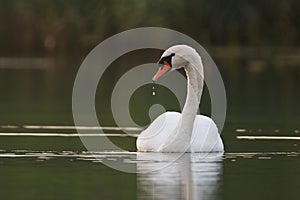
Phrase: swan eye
[166,60]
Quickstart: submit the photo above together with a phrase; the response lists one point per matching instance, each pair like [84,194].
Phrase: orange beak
[161,71]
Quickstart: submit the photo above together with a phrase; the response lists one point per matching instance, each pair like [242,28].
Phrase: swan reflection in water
[192,176]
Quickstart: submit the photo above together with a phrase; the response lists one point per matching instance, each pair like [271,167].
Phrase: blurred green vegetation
[255,45]
[36,27]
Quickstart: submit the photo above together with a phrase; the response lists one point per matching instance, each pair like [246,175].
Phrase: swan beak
[162,70]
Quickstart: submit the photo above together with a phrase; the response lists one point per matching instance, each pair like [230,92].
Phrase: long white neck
[194,92]
[181,137]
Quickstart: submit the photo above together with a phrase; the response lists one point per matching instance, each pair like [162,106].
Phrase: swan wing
[158,132]
[205,137]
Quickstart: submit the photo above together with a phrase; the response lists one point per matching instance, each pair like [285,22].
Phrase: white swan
[185,132]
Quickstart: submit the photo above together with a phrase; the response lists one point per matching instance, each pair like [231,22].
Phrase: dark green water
[263,98]
[77,175]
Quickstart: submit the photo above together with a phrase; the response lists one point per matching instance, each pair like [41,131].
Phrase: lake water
[42,157]
[43,163]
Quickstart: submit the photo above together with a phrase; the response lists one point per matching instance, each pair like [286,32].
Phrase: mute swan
[185,132]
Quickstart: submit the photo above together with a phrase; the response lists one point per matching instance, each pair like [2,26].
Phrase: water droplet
[153,91]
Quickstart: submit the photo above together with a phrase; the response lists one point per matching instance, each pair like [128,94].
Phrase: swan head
[173,58]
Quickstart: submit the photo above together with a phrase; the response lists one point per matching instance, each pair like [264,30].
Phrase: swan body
[205,136]
[186,131]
